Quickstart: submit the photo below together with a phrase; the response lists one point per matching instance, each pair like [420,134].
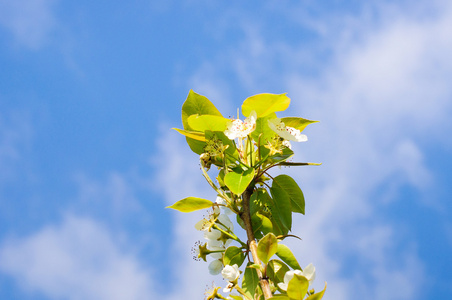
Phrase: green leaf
[279,297]
[191,204]
[297,123]
[263,128]
[265,104]
[287,256]
[278,228]
[267,247]
[317,296]
[196,104]
[233,255]
[238,182]
[280,157]
[276,270]
[282,202]
[235,297]
[250,281]
[297,287]
[287,185]
[192,134]
[207,122]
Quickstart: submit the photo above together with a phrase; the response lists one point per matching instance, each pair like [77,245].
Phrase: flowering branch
[244,152]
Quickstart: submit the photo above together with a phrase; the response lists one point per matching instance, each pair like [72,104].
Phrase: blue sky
[89,92]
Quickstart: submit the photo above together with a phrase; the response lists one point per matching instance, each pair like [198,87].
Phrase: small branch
[246,218]
[232,236]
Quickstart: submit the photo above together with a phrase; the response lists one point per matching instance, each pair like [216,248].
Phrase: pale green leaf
[196,104]
[297,123]
[317,296]
[191,204]
[238,182]
[207,122]
[279,297]
[287,256]
[276,270]
[297,287]
[265,104]
[263,130]
[267,247]
[199,136]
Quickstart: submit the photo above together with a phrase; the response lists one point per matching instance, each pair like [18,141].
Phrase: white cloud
[77,260]
[30,21]
[15,137]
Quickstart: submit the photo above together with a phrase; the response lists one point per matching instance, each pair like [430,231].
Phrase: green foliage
[297,123]
[298,287]
[233,256]
[287,256]
[317,296]
[191,204]
[207,122]
[250,281]
[293,191]
[267,247]
[282,205]
[276,270]
[238,182]
[265,104]
[245,153]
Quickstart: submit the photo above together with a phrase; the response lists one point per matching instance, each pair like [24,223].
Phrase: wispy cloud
[30,22]
[78,259]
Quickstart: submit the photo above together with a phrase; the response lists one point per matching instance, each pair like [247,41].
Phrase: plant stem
[232,236]
[246,218]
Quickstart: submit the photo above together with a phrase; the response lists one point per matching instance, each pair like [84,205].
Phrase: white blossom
[215,267]
[308,273]
[228,287]
[231,273]
[239,129]
[286,132]
[226,210]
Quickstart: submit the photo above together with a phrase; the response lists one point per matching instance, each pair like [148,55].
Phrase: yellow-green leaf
[199,136]
[207,122]
[297,123]
[238,182]
[267,247]
[317,296]
[297,287]
[196,104]
[265,104]
[191,204]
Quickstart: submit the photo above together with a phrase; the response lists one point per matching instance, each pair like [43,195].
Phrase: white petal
[200,225]
[288,276]
[282,286]
[224,219]
[215,267]
[230,273]
[213,235]
[309,272]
